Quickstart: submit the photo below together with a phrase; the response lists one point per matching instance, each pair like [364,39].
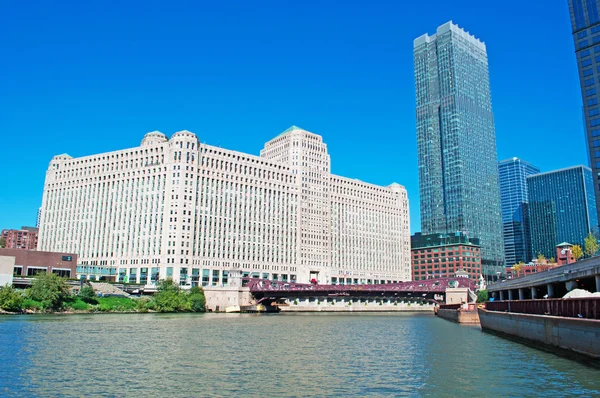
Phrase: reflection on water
[274,355]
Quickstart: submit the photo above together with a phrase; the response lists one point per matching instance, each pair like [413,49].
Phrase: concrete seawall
[466,317]
[581,336]
[357,308]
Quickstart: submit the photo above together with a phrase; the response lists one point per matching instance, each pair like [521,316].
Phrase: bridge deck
[428,286]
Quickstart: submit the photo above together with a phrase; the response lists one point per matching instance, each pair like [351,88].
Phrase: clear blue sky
[89,77]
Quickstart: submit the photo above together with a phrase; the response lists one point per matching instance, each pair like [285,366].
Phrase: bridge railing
[588,308]
[430,285]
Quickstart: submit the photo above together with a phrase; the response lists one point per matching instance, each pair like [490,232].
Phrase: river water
[197,355]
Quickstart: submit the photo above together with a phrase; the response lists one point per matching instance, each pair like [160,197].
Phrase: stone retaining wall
[573,334]
[467,317]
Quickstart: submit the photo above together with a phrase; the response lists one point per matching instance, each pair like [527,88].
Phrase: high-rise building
[37,219]
[562,208]
[513,197]
[458,163]
[585,23]
[175,208]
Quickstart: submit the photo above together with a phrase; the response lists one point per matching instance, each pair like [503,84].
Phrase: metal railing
[588,308]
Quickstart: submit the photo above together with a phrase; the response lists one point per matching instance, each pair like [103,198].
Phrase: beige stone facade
[194,212]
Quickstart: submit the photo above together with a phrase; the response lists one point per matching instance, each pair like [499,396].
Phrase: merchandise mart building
[175,208]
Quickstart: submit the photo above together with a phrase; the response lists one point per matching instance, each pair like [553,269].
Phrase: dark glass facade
[585,23]
[562,208]
[513,197]
[456,138]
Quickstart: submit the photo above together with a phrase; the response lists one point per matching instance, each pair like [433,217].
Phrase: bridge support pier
[598,283]
[550,288]
[521,293]
[533,293]
[510,295]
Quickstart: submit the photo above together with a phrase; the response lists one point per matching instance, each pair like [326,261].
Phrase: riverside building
[585,23]
[562,208]
[513,197]
[176,208]
[456,138]
[445,256]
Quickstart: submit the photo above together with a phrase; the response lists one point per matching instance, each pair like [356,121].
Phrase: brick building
[24,238]
[30,262]
[443,255]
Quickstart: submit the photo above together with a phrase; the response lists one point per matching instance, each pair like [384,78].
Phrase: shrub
[197,300]
[49,289]
[482,296]
[143,304]
[170,298]
[10,299]
[87,295]
[106,304]
[30,304]
[77,304]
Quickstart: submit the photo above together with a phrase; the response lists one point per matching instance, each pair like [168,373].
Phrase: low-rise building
[30,262]
[564,254]
[24,238]
[445,255]
[7,264]
[519,270]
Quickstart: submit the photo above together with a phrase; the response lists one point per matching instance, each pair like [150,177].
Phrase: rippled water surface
[274,355]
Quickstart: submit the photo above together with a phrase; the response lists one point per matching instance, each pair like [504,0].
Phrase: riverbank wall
[569,335]
[459,316]
[358,308]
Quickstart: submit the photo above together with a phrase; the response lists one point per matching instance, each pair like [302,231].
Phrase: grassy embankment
[50,294]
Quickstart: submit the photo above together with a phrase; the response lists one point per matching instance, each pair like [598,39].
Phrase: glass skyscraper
[585,21]
[562,208]
[513,198]
[458,163]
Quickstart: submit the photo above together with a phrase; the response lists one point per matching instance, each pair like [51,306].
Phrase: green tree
[577,252]
[482,296]
[88,295]
[591,245]
[10,299]
[170,297]
[2,243]
[197,299]
[49,289]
